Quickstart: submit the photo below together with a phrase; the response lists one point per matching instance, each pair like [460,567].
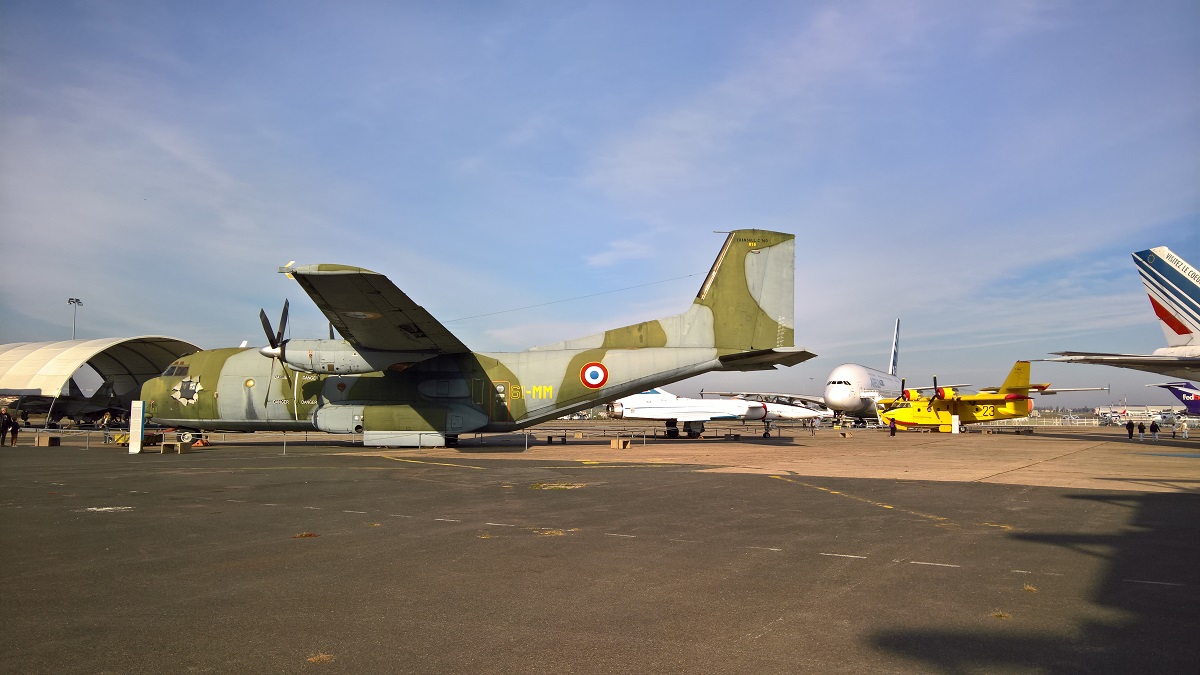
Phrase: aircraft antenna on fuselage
[895,349]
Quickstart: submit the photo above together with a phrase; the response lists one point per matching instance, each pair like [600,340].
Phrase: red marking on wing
[1168,318]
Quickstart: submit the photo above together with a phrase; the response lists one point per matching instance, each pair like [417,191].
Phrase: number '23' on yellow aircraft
[1010,400]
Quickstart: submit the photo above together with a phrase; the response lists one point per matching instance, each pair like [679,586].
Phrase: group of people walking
[1181,427]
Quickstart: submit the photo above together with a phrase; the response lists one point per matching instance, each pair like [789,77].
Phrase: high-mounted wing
[370,311]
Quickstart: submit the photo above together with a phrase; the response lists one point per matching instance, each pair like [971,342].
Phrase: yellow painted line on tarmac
[244,469]
[420,461]
[941,521]
[606,466]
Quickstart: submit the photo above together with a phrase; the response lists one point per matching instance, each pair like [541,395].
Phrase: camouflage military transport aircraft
[400,378]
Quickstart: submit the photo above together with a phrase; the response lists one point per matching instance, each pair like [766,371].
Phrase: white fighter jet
[658,404]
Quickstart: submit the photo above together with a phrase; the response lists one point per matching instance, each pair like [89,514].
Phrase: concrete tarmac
[920,553]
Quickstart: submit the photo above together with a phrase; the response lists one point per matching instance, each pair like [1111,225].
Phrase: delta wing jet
[658,404]
[945,406]
[1174,289]
[400,378]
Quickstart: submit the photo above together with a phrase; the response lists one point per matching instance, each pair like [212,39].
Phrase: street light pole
[75,303]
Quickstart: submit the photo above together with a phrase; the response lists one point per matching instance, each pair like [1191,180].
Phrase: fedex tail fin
[1017,381]
[1174,289]
[1186,392]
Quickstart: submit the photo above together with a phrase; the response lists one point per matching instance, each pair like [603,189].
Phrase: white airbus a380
[854,390]
[850,389]
[657,404]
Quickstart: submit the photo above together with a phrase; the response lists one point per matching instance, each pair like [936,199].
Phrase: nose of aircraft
[154,392]
[839,397]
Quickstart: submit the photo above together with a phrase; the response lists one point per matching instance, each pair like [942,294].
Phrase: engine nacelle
[339,357]
[616,410]
[912,394]
[946,393]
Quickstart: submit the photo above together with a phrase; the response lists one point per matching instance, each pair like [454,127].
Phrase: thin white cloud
[685,147]
[623,251]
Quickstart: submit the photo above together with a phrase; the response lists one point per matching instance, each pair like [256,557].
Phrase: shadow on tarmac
[1152,579]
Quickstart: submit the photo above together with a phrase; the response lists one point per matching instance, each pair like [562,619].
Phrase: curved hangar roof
[45,368]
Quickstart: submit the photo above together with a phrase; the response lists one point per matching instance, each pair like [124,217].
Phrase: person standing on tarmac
[6,423]
[1141,431]
[1154,430]
[1129,428]
[892,427]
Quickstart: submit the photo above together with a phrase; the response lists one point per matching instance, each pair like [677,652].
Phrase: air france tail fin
[1017,380]
[1174,289]
[895,349]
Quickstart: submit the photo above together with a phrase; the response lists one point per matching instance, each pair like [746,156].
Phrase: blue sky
[980,170]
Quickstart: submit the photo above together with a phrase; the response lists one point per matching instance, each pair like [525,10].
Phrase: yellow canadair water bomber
[940,408]
[398,377]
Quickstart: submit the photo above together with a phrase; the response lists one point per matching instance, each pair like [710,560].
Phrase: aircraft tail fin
[1017,380]
[895,349]
[1186,392]
[1174,289]
[748,294]
[746,304]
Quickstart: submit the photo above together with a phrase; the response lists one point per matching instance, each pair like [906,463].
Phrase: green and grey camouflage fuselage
[400,378]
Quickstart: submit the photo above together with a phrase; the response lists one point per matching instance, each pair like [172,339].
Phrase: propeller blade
[262,315]
[270,381]
[936,393]
[331,332]
[903,396]
[282,324]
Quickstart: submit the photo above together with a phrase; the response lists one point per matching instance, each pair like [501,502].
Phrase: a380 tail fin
[1174,289]
[892,362]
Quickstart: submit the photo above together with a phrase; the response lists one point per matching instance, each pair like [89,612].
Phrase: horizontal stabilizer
[766,359]
[1169,365]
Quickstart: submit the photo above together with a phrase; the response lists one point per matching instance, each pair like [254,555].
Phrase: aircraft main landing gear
[672,429]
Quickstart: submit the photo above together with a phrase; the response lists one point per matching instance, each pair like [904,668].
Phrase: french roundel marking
[593,375]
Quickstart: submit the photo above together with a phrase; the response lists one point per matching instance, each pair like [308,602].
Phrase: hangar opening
[83,379]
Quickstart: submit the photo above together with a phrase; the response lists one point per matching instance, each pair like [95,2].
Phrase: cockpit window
[176,371]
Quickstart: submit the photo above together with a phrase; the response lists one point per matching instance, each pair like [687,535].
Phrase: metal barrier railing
[1042,422]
